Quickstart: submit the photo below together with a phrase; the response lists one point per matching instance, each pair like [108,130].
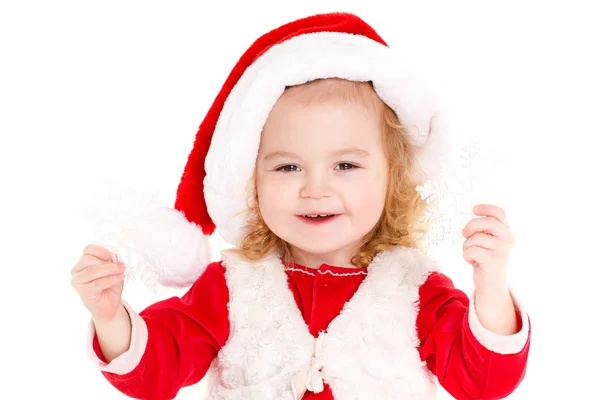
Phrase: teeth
[317,215]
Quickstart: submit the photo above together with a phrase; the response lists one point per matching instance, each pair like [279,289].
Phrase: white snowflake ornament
[465,181]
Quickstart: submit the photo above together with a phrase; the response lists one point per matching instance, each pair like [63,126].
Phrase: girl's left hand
[487,246]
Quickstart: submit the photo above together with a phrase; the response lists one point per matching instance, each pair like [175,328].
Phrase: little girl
[308,164]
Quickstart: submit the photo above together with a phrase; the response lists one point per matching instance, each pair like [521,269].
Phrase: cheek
[367,194]
[274,197]
[370,203]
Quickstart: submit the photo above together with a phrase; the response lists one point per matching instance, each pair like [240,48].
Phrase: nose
[316,186]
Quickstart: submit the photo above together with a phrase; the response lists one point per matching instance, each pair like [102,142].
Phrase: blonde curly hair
[399,223]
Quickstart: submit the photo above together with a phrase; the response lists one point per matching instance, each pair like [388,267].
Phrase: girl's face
[321,177]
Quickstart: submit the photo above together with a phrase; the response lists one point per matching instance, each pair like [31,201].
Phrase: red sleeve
[183,337]
[465,366]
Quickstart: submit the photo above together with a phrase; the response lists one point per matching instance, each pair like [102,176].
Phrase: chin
[315,250]
[324,247]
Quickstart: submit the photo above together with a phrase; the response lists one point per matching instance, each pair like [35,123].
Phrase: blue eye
[288,168]
[345,166]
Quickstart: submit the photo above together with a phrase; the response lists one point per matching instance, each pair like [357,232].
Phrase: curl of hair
[400,222]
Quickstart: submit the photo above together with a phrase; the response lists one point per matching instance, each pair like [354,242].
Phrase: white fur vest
[369,350]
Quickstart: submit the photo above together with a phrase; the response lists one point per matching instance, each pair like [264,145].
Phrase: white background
[93,90]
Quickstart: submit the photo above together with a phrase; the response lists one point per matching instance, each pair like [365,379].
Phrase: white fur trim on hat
[235,142]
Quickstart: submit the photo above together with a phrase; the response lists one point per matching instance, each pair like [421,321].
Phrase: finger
[84,262]
[484,241]
[98,271]
[99,285]
[488,225]
[98,252]
[490,210]
[475,255]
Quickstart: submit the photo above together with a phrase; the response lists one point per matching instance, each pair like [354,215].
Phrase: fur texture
[173,250]
[368,352]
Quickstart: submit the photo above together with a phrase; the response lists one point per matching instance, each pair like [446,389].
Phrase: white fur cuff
[501,344]
[127,361]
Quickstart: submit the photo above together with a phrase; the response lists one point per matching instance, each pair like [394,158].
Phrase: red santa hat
[212,192]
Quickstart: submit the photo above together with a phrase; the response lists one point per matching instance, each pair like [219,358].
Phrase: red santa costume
[271,330]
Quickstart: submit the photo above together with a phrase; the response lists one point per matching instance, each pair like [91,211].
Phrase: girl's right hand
[99,282]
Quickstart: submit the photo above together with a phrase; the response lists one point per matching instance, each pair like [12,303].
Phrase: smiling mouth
[318,217]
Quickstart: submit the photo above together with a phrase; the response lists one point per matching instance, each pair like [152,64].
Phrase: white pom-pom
[158,245]
[171,248]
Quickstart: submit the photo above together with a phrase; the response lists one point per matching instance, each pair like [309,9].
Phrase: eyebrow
[353,151]
[342,152]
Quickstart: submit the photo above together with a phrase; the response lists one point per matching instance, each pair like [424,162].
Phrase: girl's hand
[99,282]
[487,247]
